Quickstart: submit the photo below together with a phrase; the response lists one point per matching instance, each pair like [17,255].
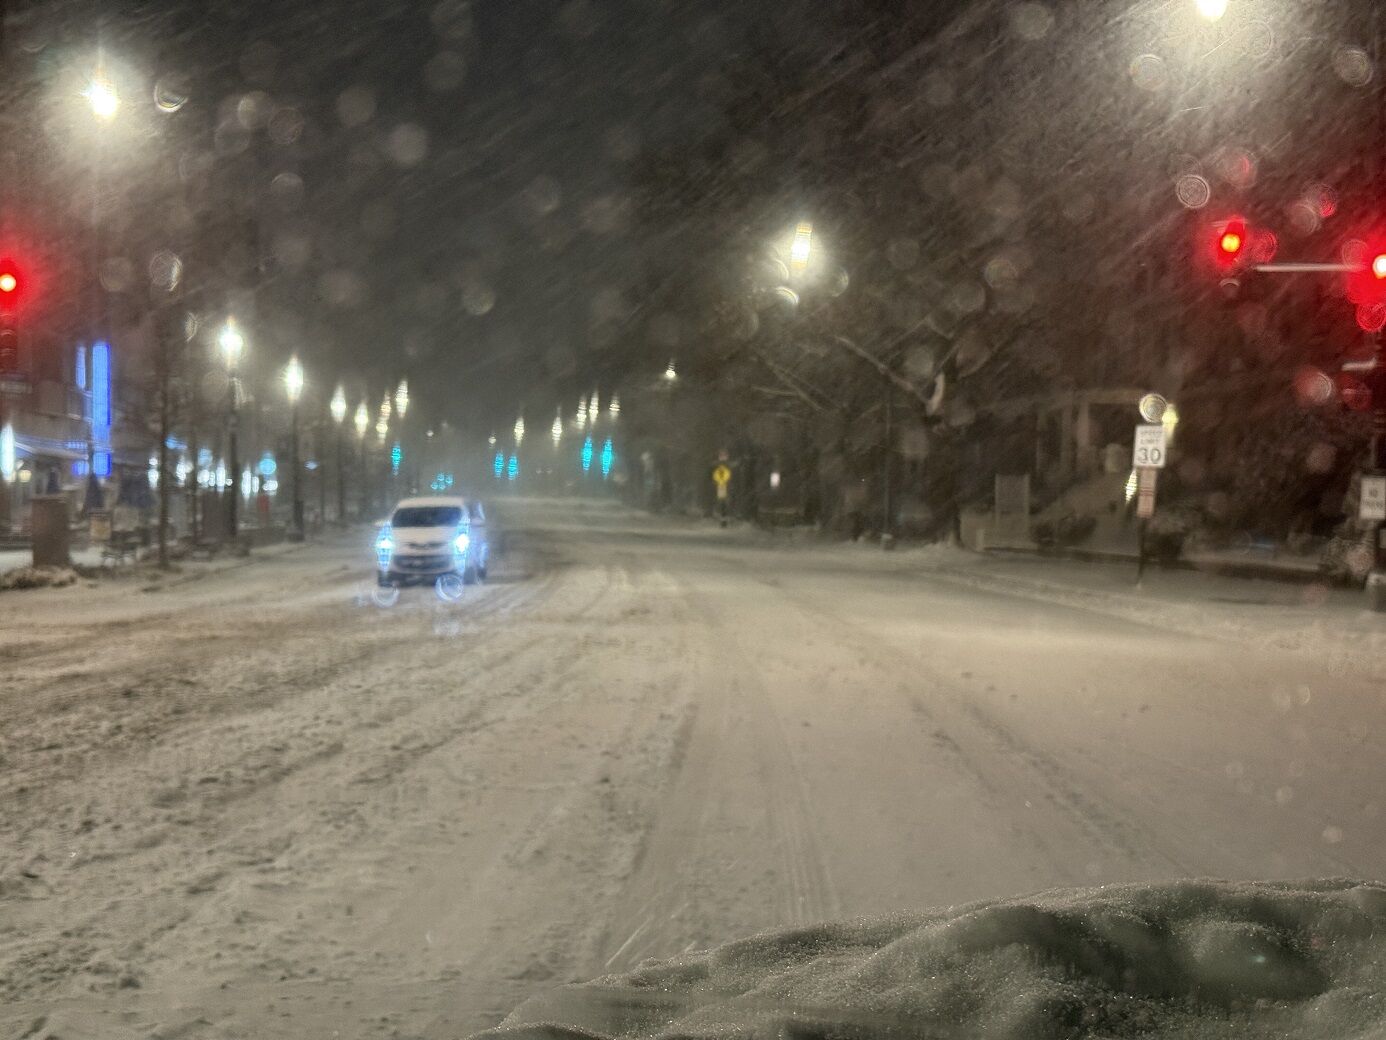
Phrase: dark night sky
[513,227]
[466,166]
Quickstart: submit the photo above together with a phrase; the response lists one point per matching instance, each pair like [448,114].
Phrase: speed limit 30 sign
[1149,452]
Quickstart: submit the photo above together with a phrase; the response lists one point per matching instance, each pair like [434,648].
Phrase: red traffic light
[1235,245]
[1230,242]
[1366,281]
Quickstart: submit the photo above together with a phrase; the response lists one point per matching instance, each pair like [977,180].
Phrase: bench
[123,545]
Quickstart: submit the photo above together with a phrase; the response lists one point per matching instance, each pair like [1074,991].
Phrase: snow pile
[37,577]
[1191,959]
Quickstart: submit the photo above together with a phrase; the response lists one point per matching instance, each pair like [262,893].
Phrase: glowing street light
[402,398]
[557,429]
[519,431]
[231,342]
[614,408]
[491,440]
[101,94]
[382,422]
[293,379]
[582,414]
[338,406]
[1211,9]
[363,420]
[594,408]
[669,374]
[1169,420]
[802,246]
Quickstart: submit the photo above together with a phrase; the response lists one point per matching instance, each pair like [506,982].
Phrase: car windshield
[426,516]
[692,518]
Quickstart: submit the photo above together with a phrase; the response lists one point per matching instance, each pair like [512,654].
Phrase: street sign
[1373,499]
[721,476]
[1149,451]
[1145,492]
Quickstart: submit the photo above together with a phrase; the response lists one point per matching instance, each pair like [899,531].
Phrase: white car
[428,538]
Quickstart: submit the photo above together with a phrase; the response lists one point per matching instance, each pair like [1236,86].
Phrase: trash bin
[48,523]
[1376,591]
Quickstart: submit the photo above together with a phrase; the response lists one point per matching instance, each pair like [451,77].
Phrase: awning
[29,449]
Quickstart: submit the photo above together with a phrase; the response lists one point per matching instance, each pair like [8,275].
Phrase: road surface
[253,803]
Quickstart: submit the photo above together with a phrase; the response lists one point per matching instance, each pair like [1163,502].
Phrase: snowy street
[249,802]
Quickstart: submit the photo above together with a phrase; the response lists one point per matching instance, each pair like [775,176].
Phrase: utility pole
[888,456]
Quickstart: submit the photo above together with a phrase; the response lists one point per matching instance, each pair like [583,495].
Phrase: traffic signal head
[1236,245]
[1366,281]
[9,317]
[1231,242]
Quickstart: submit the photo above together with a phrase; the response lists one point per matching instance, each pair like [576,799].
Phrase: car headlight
[386,542]
[462,542]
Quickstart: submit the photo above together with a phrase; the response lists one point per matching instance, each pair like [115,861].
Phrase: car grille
[442,562]
[425,545]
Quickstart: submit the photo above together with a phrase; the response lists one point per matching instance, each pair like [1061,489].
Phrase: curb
[1246,569]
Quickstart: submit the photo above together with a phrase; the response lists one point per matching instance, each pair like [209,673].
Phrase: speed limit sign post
[1148,456]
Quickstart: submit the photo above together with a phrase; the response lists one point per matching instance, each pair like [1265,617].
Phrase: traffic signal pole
[1376,463]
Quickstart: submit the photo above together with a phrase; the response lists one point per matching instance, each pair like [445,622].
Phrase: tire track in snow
[1012,771]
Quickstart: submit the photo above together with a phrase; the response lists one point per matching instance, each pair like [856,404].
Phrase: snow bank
[1191,959]
[37,577]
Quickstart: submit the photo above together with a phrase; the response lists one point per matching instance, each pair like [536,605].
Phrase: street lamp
[293,386]
[519,431]
[363,423]
[402,398]
[101,94]
[614,408]
[382,420]
[669,374]
[557,429]
[801,247]
[338,408]
[1211,9]
[232,344]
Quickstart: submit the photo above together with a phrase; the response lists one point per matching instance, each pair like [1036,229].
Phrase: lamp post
[232,343]
[363,422]
[101,94]
[401,407]
[293,385]
[339,410]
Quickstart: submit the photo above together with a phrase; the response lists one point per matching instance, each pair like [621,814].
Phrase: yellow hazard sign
[721,476]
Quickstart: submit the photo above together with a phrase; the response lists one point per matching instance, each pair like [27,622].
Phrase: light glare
[1211,9]
[101,94]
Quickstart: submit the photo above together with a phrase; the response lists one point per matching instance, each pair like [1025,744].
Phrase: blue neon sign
[101,390]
